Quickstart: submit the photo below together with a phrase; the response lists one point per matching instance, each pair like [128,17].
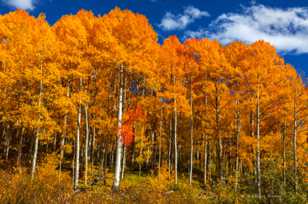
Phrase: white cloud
[180,21]
[21,4]
[286,29]
[196,33]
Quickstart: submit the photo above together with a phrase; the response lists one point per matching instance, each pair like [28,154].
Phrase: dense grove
[98,101]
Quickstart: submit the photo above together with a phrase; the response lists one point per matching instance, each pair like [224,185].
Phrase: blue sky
[284,23]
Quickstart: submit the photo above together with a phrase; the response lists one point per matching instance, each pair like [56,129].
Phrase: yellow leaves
[142,143]
[80,97]
[247,150]
[68,149]
[71,30]
[133,39]
[34,117]
[248,140]
[65,104]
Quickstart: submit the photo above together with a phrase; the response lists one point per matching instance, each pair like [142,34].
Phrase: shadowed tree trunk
[123,162]
[19,155]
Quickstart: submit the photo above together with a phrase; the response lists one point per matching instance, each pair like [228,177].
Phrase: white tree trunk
[238,132]
[34,159]
[258,144]
[63,136]
[86,150]
[77,164]
[175,140]
[160,140]
[294,149]
[117,176]
[205,160]
[191,134]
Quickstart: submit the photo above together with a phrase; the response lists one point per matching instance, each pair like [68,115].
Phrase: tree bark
[34,159]
[7,143]
[123,162]
[86,149]
[284,134]
[219,171]
[117,176]
[64,135]
[294,142]
[170,148]
[205,160]
[238,133]
[77,164]
[191,134]
[175,139]
[19,155]
[93,148]
[160,141]
[258,143]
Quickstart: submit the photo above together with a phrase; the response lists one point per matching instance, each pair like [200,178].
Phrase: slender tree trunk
[170,148]
[92,149]
[123,162]
[19,155]
[284,134]
[209,164]
[205,168]
[205,159]
[294,142]
[73,164]
[4,137]
[77,164]
[133,146]
[258,144]
[219,171]
[191,134]
[62,143]
[153,149]
[160,140]
[86,149]
[103,167]
[7,143]
[175,139]
[63,136]
[34,159]
[38,131]
[238,133]
[117,177]
[54,142]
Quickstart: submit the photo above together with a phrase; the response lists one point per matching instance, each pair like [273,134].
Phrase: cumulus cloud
[172,21]
[21,4]
[286,29]
[196,33]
